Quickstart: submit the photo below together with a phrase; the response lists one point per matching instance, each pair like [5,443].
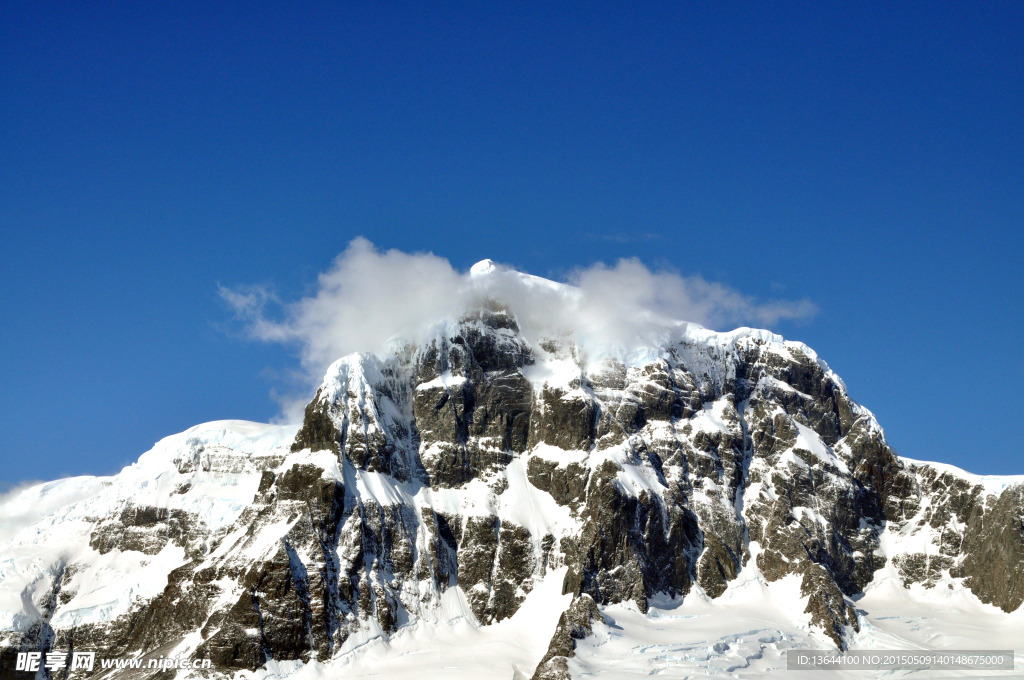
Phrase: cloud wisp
[368,298]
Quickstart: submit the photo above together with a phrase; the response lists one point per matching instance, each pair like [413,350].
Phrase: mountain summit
[530,503]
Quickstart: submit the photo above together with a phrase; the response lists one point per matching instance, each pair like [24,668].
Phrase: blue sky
[868,158]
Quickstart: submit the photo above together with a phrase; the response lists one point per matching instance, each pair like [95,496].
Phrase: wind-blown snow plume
[368,297]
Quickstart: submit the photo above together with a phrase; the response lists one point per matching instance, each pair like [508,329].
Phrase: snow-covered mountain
[481,504]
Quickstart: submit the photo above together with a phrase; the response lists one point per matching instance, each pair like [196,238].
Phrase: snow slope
[49,526]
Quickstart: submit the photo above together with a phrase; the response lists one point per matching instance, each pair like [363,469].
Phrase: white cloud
[368,297]
[362,300]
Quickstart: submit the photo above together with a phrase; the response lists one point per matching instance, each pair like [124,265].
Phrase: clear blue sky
[869,157]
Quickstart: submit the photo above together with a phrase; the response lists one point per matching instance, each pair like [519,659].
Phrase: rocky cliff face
[448,478]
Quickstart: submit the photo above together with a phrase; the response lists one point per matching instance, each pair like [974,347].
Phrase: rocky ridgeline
[461,471]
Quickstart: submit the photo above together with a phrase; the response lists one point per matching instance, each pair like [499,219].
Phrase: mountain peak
[483,268]
[481,477]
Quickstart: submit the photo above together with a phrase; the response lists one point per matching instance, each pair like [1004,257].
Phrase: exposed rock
[564,418]
[567,484]
[477,550]
[828,608]
[318,431]
[574,624]
[993,549]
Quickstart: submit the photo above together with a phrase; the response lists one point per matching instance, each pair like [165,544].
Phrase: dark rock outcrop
[574,624]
